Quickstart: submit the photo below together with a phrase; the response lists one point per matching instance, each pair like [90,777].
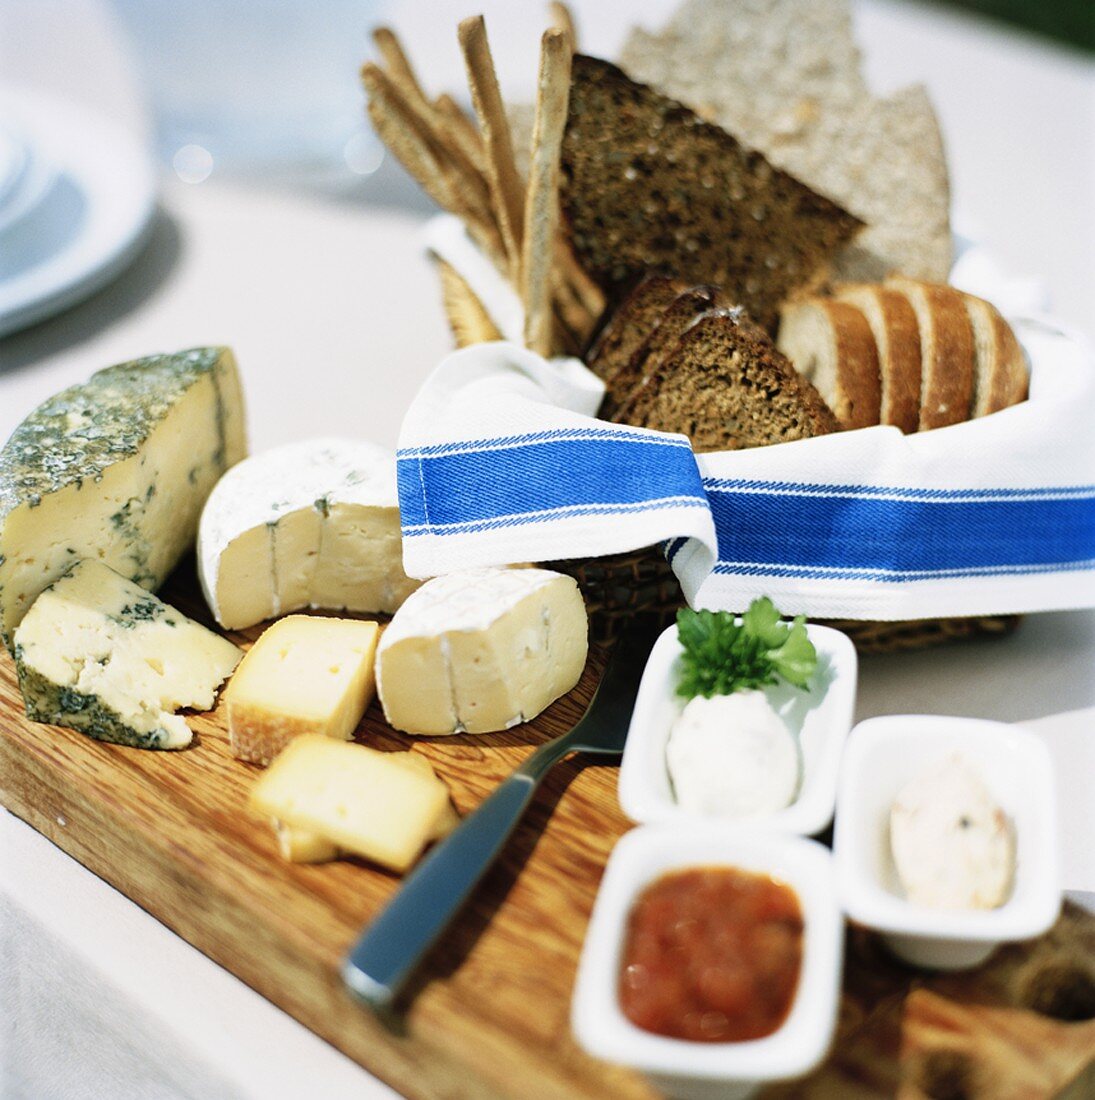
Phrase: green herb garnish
[722,655]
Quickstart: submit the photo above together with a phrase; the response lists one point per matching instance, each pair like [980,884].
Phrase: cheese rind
[305,674]
[98,653]
[481,650]
[359,799]
[310,524]
[116,469]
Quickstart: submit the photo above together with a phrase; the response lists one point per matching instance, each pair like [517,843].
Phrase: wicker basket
[618,587]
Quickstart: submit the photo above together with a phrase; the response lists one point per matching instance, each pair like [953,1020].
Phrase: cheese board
[489,1013]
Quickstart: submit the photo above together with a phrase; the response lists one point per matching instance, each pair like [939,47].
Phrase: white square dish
[819,719]
[695,1070]
[882,755]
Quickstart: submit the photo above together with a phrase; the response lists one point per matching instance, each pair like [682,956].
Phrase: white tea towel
[502,461]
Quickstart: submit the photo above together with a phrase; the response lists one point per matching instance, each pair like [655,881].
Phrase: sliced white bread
[897,337]
[1001,377]
[831,344]
[946,351]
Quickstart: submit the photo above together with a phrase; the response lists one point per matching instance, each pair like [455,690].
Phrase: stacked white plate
[77,195]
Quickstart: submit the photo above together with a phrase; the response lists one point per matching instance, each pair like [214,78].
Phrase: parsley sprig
[722,655]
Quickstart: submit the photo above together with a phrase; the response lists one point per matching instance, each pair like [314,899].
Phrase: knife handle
[389,950]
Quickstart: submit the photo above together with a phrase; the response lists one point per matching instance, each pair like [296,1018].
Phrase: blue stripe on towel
[543,477]
[892,535]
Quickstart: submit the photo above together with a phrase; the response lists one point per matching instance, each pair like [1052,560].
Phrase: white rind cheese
[311,524]
[481,650]
[116,469]
[98,653]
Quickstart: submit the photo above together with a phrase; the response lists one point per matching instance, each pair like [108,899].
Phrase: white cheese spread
[732,756]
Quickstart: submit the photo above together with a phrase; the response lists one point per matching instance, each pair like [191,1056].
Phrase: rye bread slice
[946,352]
[831,344]
[784,76]
[727,387]
[667,330]
[1001,377]
[630,323]
[897,338]
[648,185]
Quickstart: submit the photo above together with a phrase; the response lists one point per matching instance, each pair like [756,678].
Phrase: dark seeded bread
[630,323]
[832,345]
[727,387]
[648,185]
[897,337]
[667,330]
[1001,377]
[946,352]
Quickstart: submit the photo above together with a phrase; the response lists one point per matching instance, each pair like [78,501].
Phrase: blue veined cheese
[481,650]
[98,653]
[310,524]
[116,469]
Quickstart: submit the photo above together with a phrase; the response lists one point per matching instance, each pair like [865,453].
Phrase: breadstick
[461,129]
[505,183]
[542,201]
[401,130]
[399,65]
[562,18]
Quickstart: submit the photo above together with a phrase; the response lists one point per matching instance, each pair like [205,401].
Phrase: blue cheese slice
[311,524]
[116,469]
[481,650]
[98,653]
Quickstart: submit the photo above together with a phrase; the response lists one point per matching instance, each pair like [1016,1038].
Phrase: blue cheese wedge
[116,469]
[481,650]
[311,524]
[953,845]
[98,653]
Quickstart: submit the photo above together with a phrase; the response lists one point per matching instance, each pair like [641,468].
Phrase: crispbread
[628,325]
[784,76]
[648,185]
[1001,378]
[946,352]
[727,387]
[661,338]
[897,338]
[832,345]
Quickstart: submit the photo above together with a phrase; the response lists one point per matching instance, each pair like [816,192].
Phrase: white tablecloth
[335,319]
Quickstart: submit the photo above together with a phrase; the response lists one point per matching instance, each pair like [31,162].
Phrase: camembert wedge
[482,650]
[311,524]
[116,469]
[360,800]
[304,675]
[98,653]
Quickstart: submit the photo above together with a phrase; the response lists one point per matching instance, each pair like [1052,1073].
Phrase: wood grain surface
[489,1015]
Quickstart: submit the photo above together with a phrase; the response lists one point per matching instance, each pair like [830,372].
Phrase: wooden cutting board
[490,1014]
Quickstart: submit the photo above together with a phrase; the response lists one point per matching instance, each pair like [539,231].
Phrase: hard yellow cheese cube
[304,675]
[361,800]
[299,845]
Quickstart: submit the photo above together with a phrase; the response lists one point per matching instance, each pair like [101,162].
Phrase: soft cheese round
[471,599]
[732,756]
[262,490]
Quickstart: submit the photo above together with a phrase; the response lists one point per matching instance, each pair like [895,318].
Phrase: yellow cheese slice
[367,802]
[304,675]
